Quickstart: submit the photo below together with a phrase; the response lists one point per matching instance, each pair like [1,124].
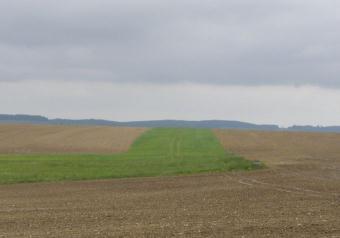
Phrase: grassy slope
[157,152]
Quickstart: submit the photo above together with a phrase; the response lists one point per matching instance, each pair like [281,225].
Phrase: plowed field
[298,195]
[27,139]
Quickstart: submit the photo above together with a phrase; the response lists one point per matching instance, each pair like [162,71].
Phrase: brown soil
[23,139]
[286,200]
[278,148]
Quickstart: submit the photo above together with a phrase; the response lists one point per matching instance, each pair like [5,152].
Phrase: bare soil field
[285,200]
[279,148]
[26,139]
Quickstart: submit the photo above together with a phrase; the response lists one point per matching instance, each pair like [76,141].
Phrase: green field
[157,152]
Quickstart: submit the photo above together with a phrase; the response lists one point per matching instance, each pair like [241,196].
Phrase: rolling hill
[225,124]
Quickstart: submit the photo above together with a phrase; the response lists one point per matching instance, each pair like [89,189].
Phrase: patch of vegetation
[157,152]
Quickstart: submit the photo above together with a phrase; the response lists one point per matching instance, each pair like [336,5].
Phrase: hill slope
[31,119]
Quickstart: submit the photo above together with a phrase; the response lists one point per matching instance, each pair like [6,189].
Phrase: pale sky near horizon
[258,61]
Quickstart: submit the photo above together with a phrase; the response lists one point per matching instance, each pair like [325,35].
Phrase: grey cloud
[235,42]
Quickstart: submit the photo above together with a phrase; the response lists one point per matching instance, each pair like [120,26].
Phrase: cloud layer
[234,42]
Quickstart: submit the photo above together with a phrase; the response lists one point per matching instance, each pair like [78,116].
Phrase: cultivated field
[47,139]
[279,148]
[156,152]
[298,195]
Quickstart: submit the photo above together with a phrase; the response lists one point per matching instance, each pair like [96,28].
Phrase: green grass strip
[157,152]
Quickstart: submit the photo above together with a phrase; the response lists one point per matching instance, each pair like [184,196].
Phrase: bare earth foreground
[26,139]
[297,196]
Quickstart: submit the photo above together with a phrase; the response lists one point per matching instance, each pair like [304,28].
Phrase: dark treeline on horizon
[36,119]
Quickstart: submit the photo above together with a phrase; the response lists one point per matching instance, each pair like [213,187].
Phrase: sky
[259,61]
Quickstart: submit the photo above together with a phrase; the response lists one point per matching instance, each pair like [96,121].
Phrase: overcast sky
[260,61]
